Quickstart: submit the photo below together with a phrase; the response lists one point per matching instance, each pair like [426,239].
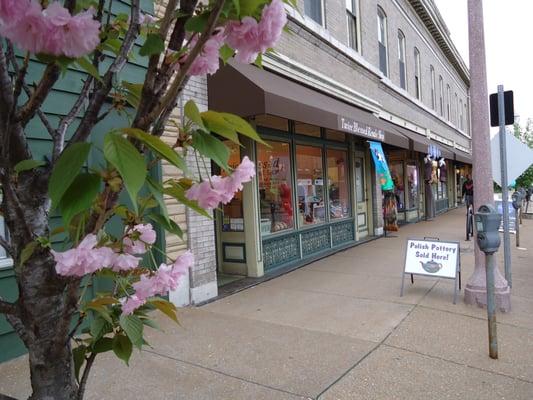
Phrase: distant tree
[525,135]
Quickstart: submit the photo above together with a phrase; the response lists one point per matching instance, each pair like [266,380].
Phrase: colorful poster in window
[382,169]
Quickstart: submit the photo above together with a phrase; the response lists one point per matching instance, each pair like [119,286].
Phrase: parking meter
[487,224]
[516,198]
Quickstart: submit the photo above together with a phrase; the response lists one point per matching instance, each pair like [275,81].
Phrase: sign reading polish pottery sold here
[432,257]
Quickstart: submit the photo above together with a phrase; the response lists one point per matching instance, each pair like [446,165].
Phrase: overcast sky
[509,45]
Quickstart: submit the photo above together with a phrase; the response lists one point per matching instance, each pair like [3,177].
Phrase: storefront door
[361,197]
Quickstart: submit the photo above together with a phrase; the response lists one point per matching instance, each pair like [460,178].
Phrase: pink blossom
[125,262]
[130,304]
[83,259]
[243,37]
[138,238]
[13,10]
[219,189]
[249,38]
[164,279]
[147,19]
[207,62]
[53,30]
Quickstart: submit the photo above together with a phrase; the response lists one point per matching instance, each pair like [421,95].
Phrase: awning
[463,157]
[246,90]
[420,142]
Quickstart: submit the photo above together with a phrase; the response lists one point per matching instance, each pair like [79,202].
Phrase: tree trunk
[47,301]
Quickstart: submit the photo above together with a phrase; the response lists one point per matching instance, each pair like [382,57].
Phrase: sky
[508,45]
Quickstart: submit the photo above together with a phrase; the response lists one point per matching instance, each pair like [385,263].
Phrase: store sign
[432,257]
[357,128]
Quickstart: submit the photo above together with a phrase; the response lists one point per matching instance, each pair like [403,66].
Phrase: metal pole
[491,306]
[517,234]
[505,192]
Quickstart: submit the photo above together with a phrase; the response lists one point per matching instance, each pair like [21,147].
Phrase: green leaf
[226,53]
[67,168]
[211,147]
[250,7]
[215,122]
[102,311]
[78,355]
[27,252]
[113,45]
[97,328]
[259,60]
[168,224]
[242,126]
[133,93]
[166,308]
[88,67]
[128,161]
[151,323]
[179,194]
[79,196]
[154,44]
[122,347]
[197,23]
[237,5]
[133,327]
[27,165]
[162,149]
[157,191]
[103,345]
[191,111]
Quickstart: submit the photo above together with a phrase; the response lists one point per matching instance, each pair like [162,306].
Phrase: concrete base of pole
[476,290]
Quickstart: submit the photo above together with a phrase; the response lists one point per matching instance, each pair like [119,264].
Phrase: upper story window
[352,15]
[314,9]
[448,101]
[401,59]
[382,42]
[418,80]
[456,110]
[466,124]
[433,90]
[461,116]
[441,95]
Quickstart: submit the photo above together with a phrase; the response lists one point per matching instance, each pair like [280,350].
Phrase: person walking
[468,191]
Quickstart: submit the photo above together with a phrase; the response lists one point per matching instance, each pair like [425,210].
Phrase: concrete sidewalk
[335,329]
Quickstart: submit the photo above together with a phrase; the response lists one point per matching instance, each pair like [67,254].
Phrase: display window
[232,213]
[339,200]
[275,187]
[306,129]
[310,181]
[412,186]
[272,122]
[396,170]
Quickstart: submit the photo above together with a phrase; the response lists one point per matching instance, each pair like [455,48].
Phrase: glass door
[361,199]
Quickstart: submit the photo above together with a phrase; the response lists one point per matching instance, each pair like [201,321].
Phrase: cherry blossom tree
[63,330]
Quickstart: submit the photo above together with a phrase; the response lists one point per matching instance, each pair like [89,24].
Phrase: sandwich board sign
[433,257]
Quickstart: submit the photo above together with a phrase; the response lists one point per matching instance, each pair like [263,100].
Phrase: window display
[306,129]
[272,122]
[396,170]
[275,188]
[232,213]
[412,186]
[339,201]
[310,178]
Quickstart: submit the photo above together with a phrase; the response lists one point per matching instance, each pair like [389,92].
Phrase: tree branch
[28,110]
[99,95]
[8,308]
[85,376]
[172,93]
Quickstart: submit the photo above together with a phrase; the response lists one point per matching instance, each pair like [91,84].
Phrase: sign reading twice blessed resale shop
[432,257]
[357,128]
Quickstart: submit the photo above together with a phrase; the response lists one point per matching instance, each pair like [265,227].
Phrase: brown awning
[420,142]
[246,90]
[463,157]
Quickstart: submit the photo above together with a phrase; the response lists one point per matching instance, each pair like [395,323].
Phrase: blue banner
[382,167]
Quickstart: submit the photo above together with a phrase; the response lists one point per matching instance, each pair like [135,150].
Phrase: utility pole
[476,288]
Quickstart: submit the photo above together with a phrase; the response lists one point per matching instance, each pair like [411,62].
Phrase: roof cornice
[430,15]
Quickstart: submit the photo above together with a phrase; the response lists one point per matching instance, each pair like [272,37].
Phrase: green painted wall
[57,105]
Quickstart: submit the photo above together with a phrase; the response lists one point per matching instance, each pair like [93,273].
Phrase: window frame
[352,16]
[418,74]
[402,59]
[382,17]
[322,13]
[448,101]
[433,88]
[441,97]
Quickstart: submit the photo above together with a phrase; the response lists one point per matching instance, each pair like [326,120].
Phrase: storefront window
[339,201]
[396,170]
[232,213]
[306,129]
[412,186]
[275,188]
[335,135]
[272,122]
[310,178]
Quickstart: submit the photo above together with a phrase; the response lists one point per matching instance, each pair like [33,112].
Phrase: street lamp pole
[476,288]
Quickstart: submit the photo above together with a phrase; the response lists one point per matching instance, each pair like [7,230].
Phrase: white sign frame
[452,269]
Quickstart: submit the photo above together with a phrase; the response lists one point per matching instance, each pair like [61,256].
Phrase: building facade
[345,74]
